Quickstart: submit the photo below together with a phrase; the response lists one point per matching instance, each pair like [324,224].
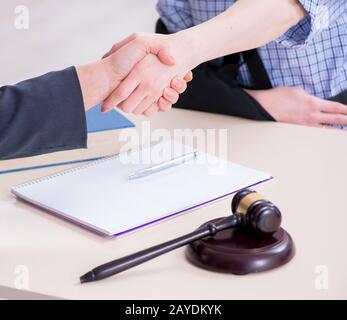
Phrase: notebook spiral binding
[63,172]
[72,170]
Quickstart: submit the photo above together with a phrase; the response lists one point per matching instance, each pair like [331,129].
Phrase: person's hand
[140,92]
[99,79]
[170,96]
[167,97]
[152,86]
[161,46]
[295,105]
[139,45]
[147,43]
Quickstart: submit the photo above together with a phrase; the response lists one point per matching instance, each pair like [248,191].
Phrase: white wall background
[66,32]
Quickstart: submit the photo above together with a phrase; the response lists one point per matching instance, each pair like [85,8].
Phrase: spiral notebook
[99,196]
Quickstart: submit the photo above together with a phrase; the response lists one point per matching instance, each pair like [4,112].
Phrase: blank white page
[101,197]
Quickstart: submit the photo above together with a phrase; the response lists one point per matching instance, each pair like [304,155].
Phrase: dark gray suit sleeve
[42,115]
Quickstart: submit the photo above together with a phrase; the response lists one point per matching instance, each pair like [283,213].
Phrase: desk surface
[309,187]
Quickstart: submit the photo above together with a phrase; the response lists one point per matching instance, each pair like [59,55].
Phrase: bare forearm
[245,25]
[96,82]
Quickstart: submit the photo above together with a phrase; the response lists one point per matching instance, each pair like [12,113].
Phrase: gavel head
[257,212]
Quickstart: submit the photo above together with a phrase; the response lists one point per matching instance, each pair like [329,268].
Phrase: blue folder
[96,122]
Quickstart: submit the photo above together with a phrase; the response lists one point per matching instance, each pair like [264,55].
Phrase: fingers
[145,104]
[332,113]
[154,108]
[137,106]
[188,77]
[333,107]
[130,104]
[333,119]
[122,92]
[170,95]
[147,109]
[164,105]
[179,85]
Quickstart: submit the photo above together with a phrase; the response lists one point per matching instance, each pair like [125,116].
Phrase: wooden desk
[309,166]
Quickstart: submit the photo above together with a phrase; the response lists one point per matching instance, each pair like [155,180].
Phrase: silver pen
[163,166]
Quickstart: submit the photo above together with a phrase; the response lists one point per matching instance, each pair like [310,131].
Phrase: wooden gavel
[249,209]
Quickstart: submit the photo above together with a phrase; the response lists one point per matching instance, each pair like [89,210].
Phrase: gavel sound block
[240,252]
[259,244]
[250,240]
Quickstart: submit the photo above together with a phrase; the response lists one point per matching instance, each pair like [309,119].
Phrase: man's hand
[166,48]
[143,91]
[295,105]
[147,43]
[98,80]
[140,92]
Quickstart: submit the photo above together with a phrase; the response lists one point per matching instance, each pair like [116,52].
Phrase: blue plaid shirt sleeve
[321,14]
[173,11]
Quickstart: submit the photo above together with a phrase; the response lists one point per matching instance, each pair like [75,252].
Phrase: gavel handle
[116,266]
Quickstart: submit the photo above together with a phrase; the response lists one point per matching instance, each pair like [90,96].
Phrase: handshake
[143,74]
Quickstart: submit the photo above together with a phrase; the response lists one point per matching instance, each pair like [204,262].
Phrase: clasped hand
[149,74]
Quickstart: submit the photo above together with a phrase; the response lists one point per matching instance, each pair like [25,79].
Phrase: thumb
[165,57]
[118,45]
[163,53]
